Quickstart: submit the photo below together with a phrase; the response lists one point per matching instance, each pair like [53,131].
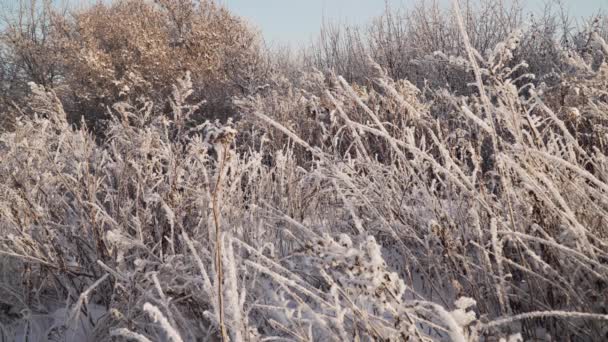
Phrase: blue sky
[295,21]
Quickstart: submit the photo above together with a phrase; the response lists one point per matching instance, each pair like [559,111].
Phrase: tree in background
[105,53]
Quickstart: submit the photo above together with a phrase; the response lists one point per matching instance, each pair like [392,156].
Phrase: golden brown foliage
[118,51]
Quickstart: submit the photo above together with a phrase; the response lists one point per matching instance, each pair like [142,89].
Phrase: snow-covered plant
[330,211]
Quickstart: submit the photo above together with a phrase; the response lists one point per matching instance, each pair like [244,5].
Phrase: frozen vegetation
[167,178]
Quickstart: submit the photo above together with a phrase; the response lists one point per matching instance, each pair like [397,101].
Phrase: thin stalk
[218,242]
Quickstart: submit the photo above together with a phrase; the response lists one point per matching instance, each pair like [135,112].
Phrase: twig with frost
[83,300]
[158,317]
[544,314]
[128,334]
[224,142]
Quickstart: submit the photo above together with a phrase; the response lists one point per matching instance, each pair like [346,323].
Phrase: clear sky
[296,21]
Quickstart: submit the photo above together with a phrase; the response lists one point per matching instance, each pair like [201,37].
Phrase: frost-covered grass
[330,211]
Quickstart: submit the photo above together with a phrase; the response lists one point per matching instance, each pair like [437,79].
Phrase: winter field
[440,174]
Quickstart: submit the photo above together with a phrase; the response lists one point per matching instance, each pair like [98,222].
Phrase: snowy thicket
[331,211]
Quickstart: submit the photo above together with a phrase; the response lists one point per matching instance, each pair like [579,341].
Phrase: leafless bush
[411,44]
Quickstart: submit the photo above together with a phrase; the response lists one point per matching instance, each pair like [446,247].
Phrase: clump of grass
[331,211]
